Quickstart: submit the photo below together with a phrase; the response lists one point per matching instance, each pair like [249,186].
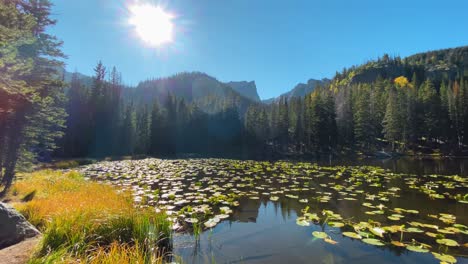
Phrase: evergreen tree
[155,130]
[32,115]
[430,102]
[142,131]
[392,122]
[363,126]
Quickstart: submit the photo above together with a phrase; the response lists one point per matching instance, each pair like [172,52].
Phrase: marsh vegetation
[334,205]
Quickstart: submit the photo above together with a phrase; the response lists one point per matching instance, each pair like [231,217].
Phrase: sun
[152,24]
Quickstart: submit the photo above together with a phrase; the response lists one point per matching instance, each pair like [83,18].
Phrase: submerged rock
[14,228]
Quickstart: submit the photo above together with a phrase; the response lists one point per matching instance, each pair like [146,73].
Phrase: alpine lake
[367,211]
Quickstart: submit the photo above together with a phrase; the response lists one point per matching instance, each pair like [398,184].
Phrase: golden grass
[66,195]
[65,164]
[88,222]
[118,253]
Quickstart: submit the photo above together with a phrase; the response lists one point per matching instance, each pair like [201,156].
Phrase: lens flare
[152,24]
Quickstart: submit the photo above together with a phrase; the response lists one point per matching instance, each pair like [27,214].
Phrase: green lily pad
[414,230]
[445,258]
[364,234]
[319,234]
[377,231]
[352,235]
[302,221]
[336,224]
[373,241]
[393,228]
[448,242]
[417,249]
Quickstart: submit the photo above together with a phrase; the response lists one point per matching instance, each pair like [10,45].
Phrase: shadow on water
[410,165]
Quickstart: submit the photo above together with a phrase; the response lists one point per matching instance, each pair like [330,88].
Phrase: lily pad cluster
[412,237]
[204,192]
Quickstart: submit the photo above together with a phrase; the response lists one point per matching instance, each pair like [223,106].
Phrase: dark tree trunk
[13,137]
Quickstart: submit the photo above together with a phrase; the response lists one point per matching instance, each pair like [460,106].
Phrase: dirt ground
[19,253]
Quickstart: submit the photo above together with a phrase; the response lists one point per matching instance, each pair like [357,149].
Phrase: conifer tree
[32,117]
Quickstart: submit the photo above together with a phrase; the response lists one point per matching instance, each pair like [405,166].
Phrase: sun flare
[152,24]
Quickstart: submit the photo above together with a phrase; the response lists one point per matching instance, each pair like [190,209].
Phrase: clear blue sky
[276,43]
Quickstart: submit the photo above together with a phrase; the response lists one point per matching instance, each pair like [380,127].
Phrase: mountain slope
[84,79]
[436,65]
[301,89]
[247,89]
[205,91]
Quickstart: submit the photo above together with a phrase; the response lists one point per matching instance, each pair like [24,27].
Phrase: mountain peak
[247,89]
[301,89]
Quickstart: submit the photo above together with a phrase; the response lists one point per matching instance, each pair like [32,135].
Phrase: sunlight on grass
[89,221]
[66,195]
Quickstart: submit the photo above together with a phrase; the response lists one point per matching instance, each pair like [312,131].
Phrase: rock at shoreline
[14,228]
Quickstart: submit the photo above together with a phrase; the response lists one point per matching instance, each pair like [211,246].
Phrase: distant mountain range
[211,95]
[205,91]
[196,85]
[301,89]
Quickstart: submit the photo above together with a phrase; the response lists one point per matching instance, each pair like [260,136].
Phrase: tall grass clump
[66,164]
[89,222]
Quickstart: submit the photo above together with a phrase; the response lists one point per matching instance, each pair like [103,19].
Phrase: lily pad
[352,235]
[336,224]
[319,234]
[448,242]
[377,231]
[414,230]
[274,198]
[398,244]
[445,258]
[330,241]
[302,221]
[417,248]
[212,222]
[373,241]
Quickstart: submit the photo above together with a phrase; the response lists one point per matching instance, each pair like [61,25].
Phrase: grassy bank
[88,222]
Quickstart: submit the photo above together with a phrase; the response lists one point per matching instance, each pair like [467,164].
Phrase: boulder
[14,228]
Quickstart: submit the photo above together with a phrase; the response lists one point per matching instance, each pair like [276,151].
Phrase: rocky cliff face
[301,90]
[247,89]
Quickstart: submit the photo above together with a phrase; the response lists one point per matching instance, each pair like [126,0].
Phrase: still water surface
[262,231]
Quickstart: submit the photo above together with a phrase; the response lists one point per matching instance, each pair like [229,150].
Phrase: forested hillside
[188,112]
[300,90]
[204,91]
[415,104]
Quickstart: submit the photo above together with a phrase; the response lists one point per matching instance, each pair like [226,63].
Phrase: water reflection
[262,231]
[275,238]
[447,166]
